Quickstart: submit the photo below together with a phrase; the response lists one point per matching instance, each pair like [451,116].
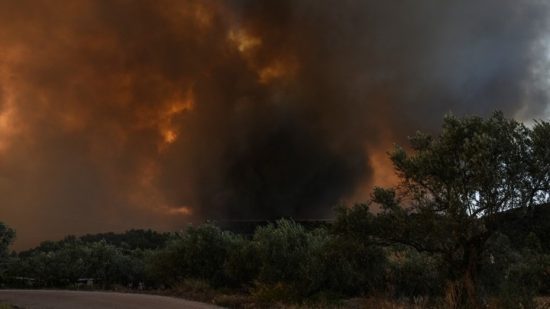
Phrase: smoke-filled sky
[133,114]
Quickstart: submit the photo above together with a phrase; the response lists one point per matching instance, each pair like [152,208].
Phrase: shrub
[415,274]
[357,262]
[514,276]
[242,264]
[198,253]
[353,267]
[290,254]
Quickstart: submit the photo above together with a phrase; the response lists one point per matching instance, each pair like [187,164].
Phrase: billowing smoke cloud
[120,114]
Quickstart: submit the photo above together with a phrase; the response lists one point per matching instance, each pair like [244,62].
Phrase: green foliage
[162,267]
[400,270]
[414,274]
[198,253]
[496,260]
[520,286]
[454,186]
[514,275]
[352,267]
[282,250]
[242,264]
[62,265]
[356,262]
[314,261]
[357,223]
[107,258]
[131,239]
[7,235]
[519,224]
[205,250]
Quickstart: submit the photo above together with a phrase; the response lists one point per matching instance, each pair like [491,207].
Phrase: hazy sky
[132,114]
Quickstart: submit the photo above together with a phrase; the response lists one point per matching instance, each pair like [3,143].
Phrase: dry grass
[543,302]
[419,303]
[244,300]
[273,298]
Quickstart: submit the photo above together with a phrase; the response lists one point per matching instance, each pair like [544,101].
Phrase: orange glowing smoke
[10,126]
[174,108]
[278,69]
[245,42]
[103,109]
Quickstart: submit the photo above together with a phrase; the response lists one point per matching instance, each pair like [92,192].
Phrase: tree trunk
[470,298]
[461,292]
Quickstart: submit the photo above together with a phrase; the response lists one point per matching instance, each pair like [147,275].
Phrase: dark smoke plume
[119,114]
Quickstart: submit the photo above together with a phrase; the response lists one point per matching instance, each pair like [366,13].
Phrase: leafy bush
[7,235]
[496,261]
[415,274]
[290,254]
[357,263]
[353,267]
[514,276]
[198,253]
[242,264]
[62,265]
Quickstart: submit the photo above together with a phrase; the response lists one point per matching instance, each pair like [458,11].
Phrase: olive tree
[7,235]
[454,185]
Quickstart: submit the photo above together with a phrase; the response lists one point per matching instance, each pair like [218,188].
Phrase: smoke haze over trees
[467,227]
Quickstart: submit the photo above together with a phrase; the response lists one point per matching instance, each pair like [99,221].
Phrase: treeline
[284,261]
[107,258]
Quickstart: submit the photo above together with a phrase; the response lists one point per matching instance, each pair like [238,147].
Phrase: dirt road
[51,299]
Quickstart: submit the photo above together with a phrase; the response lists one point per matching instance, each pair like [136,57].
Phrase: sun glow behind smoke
[8,117]
[117,115]
[175,108]
[244,41]
[7,126]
